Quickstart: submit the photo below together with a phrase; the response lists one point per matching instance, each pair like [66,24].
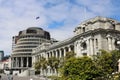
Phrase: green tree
[44,65]
[37,65]
[82,68]
[41,64]
[56,64]
[53,62]
[69,55]
[63,60]
[104,60]
[115,58]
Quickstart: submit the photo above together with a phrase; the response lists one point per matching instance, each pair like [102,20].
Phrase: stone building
[90,36]
[22,45]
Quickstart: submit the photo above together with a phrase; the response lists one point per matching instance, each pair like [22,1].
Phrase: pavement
[15,77]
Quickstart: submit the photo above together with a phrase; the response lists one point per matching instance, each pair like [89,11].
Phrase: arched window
[114,26]
[84,45]
[83,29]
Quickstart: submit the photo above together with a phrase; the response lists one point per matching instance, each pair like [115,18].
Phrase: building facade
[1,55]
[22,45]
[90,37]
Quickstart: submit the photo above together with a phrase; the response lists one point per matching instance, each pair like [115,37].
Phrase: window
[83,29]
[96,43]
[84,45]
[31,31]
[84,54]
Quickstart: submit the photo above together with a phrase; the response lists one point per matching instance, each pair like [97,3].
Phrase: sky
[59,17]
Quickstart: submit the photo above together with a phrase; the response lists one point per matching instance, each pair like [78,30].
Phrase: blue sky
[59,17]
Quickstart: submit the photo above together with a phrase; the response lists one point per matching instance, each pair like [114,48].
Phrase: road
[5,77]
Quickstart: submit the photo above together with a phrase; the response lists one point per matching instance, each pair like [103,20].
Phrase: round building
[23,44]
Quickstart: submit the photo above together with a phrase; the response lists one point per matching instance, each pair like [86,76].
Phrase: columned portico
[21,62]
[59,52]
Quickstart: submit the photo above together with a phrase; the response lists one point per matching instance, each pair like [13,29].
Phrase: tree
[41,64]
[53,62]
[104,60]
[115,58]
[69,55]
[82,68]
[37,66]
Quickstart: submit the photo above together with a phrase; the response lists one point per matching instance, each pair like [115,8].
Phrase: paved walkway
[5,77]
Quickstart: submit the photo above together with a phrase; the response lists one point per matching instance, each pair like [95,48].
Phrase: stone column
[64,52]
[33,60]
[94,42]
[109,43]
[53,55]
[27,62]
[88,47]
[113,45]
[18,61]
[21,61]
[69,49]
[60,52]
[91,46]
[46,56]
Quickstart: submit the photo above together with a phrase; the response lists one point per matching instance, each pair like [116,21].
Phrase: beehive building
[22,45]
